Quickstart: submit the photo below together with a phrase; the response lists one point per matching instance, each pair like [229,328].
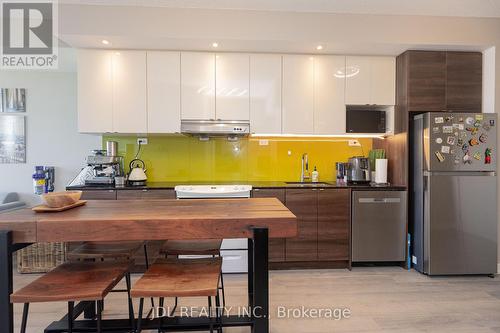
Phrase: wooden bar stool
[203,247]
[73,282]
[181,278]
[101,251]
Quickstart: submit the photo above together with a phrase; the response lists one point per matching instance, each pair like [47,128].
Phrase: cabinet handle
[321,189]
[145,190]
[314,189]
[111,191]
[256,189]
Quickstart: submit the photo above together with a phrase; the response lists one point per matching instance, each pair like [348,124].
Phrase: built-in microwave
[365,120]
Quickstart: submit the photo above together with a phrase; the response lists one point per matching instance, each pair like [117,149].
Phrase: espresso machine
[358,170]
[105,168]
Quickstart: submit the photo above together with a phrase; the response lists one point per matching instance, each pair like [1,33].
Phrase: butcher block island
[257,219]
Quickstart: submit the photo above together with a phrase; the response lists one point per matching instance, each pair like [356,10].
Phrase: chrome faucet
[304,172]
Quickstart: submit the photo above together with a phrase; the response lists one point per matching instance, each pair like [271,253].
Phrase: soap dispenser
[315,175]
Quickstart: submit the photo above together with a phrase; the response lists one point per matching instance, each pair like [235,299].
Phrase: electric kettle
[137,175]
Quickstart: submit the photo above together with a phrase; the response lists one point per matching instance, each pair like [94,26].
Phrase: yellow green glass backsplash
[181,158]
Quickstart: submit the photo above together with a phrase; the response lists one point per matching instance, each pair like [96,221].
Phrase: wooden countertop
[109,220]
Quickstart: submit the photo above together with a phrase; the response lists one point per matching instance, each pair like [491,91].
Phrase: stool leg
[25,317]
[71,306]
[210,314]
[147,267]
[99,315]
[175,307]
[222,288]
[130,304]
[139,318]
[217,313]
[162,302]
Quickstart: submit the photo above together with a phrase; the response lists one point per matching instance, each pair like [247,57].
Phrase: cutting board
[47,209]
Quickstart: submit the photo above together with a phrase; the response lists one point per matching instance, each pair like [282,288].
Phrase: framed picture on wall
[12,100]
[12,139]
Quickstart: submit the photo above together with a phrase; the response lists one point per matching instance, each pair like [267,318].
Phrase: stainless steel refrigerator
[454,206]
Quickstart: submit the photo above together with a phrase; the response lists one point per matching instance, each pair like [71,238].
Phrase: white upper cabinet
[370,80]
[383,91]
[197,85]
[265,93]
[233,84]
[298,76]
[129,92]
[95,91]
[164,92]
[329,97]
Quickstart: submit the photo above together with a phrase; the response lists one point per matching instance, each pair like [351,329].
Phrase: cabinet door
[303,203]
[145,194]
[164,92]
[383,81]
[298,85]
[99,195]
[427,81]
[197,86]
[129,92]
[329,95]
[464,81]
[265,93]
[95,91]
[276,245]
[334,212]
[233,84]
[358,80]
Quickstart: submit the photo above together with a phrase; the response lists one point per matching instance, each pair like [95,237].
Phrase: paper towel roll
[381,171]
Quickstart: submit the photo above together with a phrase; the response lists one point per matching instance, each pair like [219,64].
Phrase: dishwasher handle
[379,200]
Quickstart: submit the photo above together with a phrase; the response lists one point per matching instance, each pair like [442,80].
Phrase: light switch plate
[354,143]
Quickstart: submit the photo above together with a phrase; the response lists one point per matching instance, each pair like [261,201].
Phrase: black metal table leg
[250,273]
[6,283]
[260,281]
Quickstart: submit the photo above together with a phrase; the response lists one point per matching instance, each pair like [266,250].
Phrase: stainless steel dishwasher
[378,225]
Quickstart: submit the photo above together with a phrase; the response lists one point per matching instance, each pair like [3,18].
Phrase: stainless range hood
[209,128]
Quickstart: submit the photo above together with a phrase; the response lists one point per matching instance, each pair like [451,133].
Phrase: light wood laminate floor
[388,299]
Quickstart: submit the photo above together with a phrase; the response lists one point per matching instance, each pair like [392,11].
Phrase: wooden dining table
[256,219]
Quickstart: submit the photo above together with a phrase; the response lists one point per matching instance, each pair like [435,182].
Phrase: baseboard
[498,268]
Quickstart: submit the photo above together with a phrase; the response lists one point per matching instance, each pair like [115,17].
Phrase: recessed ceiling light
[215,45]
[319,47]
[105,42]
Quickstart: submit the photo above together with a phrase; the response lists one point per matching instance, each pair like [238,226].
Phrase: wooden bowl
[61,199]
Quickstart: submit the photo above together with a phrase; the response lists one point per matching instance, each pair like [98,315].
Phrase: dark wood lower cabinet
[303,203]
[276,245]
[145,194]
[99,195]
[333,224]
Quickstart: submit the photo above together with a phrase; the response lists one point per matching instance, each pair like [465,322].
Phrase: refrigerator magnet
[445,149]
[486,127]
[477,155]
[447,129]
[451,140]
[483,138]
[492,122]
[469,120]
[439,120]
[439,141]
[467,159]
[439,156]
[435,130]
[487,156]
[479,117]
[473,142]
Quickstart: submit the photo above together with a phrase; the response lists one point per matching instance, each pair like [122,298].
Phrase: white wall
[51,130]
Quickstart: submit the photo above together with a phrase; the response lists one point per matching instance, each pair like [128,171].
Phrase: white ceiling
[458,8]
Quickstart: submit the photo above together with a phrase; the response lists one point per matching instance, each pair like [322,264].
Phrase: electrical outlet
[142,141]
[354,143]
[263,142]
